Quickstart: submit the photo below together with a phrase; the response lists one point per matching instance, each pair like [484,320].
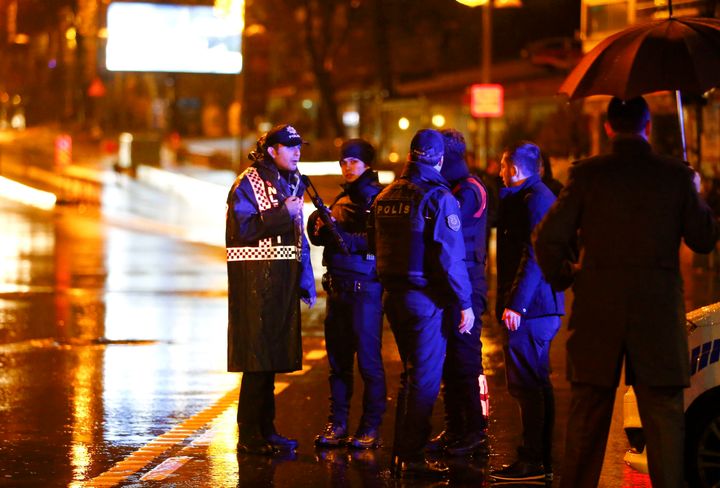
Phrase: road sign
[486,100]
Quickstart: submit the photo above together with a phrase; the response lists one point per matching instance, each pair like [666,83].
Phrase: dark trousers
[461,371]
[527,365]
[256,405]
[353,324]
[416,322]
[591,407]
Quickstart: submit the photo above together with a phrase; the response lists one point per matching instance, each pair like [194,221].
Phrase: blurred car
[702,405]
[554,52]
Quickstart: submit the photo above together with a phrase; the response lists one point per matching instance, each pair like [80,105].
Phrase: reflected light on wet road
[221,451]
[84,411]
[12,190]
[20,241]
[109,337]
[635,479]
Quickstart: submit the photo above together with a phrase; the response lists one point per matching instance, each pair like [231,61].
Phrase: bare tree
[383,49]
[324,32]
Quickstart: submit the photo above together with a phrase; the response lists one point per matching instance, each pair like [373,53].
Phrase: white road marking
[166,468]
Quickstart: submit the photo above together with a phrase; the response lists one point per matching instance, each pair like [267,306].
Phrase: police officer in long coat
[269,272]
[420,253]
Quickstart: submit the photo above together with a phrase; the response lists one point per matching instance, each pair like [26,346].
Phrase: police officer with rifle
[353,324]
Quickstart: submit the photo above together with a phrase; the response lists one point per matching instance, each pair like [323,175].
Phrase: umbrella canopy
[680,53]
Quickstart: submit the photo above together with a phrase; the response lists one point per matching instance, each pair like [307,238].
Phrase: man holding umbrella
[614,234]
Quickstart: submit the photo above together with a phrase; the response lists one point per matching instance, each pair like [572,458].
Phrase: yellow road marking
[300,372]
[315,354]
[155,448]
[280,386]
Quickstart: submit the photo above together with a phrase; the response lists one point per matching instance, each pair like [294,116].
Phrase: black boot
[471,443]
[422,468]
[334,435]
[445,438]
[520,471]
[365,438]
[251,442]
[281,443]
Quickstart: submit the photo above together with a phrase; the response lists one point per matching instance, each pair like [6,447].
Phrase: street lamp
[486,50]
[486,39]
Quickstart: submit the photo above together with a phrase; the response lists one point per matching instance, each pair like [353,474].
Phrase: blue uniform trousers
[416,322]
[527,364]
[463,364]
[353,324]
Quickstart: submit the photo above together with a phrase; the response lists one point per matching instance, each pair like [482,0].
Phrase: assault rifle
[324,214]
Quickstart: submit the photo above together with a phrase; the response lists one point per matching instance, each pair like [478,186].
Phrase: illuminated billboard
[173,38]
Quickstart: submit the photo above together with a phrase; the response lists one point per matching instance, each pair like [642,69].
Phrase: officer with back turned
[417,237]
[463,378]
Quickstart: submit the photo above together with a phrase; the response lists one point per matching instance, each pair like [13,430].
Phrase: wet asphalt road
[112,349]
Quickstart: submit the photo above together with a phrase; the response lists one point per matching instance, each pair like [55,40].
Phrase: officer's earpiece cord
[324,214]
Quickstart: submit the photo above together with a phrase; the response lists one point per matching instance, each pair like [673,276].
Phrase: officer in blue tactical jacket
[416,234]
[353,323]
[464,383]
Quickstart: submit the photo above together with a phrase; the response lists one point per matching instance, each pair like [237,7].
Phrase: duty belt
[331,285]
[261,253]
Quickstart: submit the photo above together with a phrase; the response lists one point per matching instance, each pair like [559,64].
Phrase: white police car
[702,404]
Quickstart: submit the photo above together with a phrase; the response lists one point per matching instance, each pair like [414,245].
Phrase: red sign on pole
[96,88]
[486,100]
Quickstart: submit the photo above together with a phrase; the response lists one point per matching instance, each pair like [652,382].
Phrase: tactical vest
[400,228]
[352,218]
[474,228]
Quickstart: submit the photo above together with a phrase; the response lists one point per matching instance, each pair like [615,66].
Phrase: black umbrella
[679,54]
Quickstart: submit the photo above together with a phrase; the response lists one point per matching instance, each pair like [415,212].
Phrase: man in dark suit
[529,308]
[614,234]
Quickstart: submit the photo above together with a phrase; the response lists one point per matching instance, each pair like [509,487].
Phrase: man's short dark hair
[454,143]
[628,116]
[526,156]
